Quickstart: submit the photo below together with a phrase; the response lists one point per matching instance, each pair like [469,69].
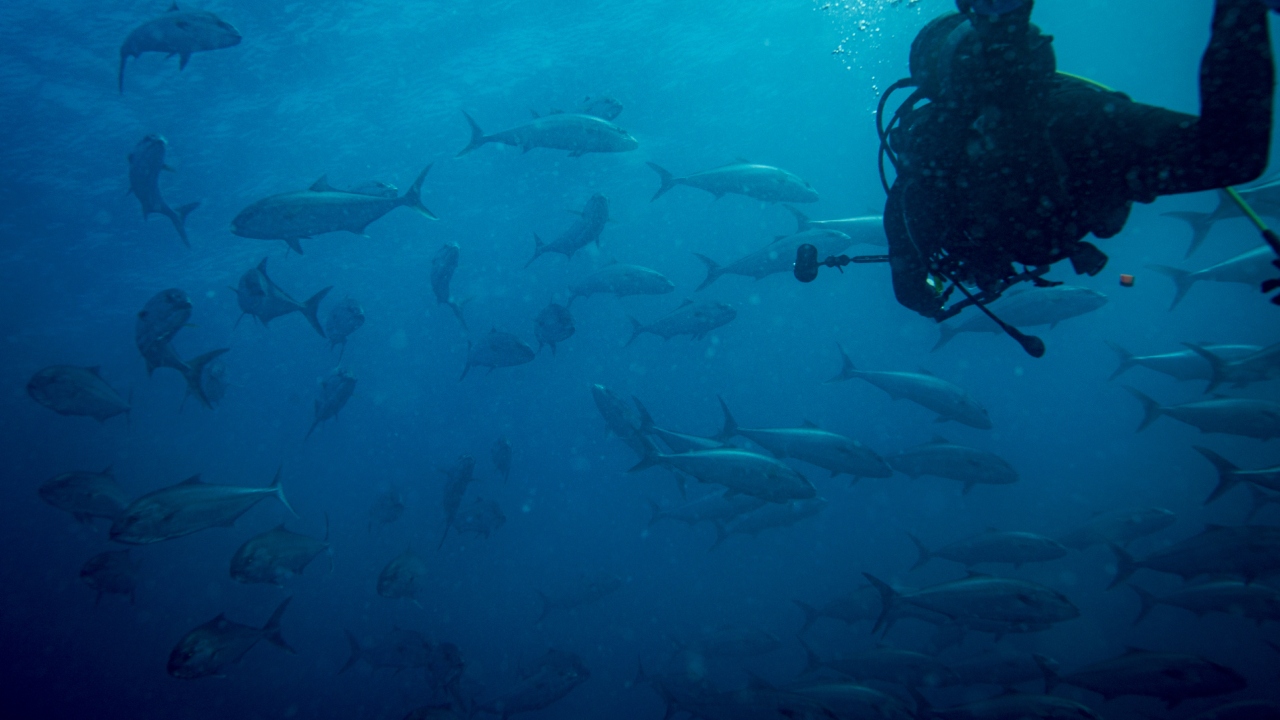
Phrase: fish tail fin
[888,602]
[195,370]
[811,615]
[946,334]
[1125,565]
[356,652]
[124,56]
[802,220]
[636,330]
[271,631]
[1148,601]
[722,534]
[413,197]
[1050,673]
[1216,362]
[656,511]
[1228,473]
[925,554]
[1200,222]
[1126,360]
[813,663]
[278,487]
[477,135]
[730,427]
[1261,498]
[444,536]
[923,708]
[714,271]
[178,217]
[667,179]
[1151,409]
[456,307]
[1182,281]
[311,309]
[847,369]
[646,420]
[651,455]
[314,424]
[539,247]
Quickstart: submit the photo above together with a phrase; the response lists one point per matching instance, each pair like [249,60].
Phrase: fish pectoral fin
[183,59]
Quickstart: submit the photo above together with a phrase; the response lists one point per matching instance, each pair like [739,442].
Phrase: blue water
[374,90]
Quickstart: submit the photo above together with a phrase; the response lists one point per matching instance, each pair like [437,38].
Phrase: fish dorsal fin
[262,267]
[810,424]
[96,370]
[687,302]
[755,682]
[174,8]
[193,480]
[939,440]
[925,371]
[281,528]
[534,113]
[321,185]
[108,470]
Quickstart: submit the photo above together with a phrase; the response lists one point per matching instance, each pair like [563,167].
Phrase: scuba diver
[1010,162]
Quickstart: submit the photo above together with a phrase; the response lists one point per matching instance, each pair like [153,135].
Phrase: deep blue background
[373,90]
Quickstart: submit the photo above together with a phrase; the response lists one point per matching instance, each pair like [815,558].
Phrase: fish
[1229,475]
[865,230]
[1030,308]
[769,516]
[443,265]
[1014,706]
[482,517]
[1183,364]
[676,442]
[197,373]
[623,281]
[111,572]
[213,383]
[387,508]
[398,649]
[762,182]
[739,471]
[584,231]
[259,296]
[949,401]
[1231,416]
[603,107]
[277,555]
[779,256]
[1119,527]
[495,350]
[585,590]
[1242,710]
[849,608]
[335,390]
[993,546]
[998,666]
[1256,367]
[344,319]
[500,453]
[694,319]
[983,598]
[1249,268]
[77,391]
[1170,677]
[1246,551]
[735,641]
[851,701]
[375,188]
[827,450]
[167,312]
[553,325]
[576,133]
[1262,198]
[708,508]
[903,667]
[145,165]
[621,418]
[296,216]
[550,683]
[1248,600]
[86,495]
[212,646]
[444,671]
[189,507]
[178,32]
[404,577]
[942,458]
[460,475]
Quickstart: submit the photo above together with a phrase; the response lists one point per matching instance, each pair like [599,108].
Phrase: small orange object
[1126,280]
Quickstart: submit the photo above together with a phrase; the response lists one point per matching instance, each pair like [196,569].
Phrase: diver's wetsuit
[1021,169]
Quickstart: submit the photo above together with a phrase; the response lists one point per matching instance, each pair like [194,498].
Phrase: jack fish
[459,477]
[403,577]
[1255,367]
[813,445]
[180,33]
[576,133]
[1183,364]
[167,312]
[188,507]
[762,182]
[866,230]
[584,231]
[1119,527]
[443,265]
[942,458]
[778,256]
[586,590]
[345,318]
[481,518]
[1170,677]
[71,390]
[767,517]
[694,319]
[1029,308]
[260,297]
[1254,601]
[500,454]
[993,546]
[1232,416]
[276,555]
[947,400]
[335,391]
[553,325]
[111,572]
[495,350]
[145,164]
[1250,268]
[1246,551]
[622,281]
[557,675]
[86,495]
[982,599]
[741,472]
[208,648]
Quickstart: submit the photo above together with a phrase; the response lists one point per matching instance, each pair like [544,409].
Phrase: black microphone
[806,269]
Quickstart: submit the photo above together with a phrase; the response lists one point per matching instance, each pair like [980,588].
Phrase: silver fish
[947,400]
[1016,706]
[675,441]
[1263,197]
[1254,601]
[1250,268]
[500,454]
[779,256]
[276,555]
[345,318]
[694,319]
[1255,367]
[942,458]
[259,296]
[739,471]
[443,265]
[708,508]
[1119,527]
[551,682]
[762,182]
[403,577]
[398,650]
[767,517]
[71,390]
[1183,364]
[1246,551]
[495,350]
[188,507]
[993,546]
[320,209]
[1170,677]
[584,231]
[1229,475]
[578,134]
[460,475]
[387,508]
[865,230]
[553,325]
[335,391]
[86,495]
[180,33]
[1232,416]
[145,164]
[623,281]
[208,648]
[167,312]
[982,598]
[482,518]
[1029,308]
[886,664]
[827,450]
[111,572]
